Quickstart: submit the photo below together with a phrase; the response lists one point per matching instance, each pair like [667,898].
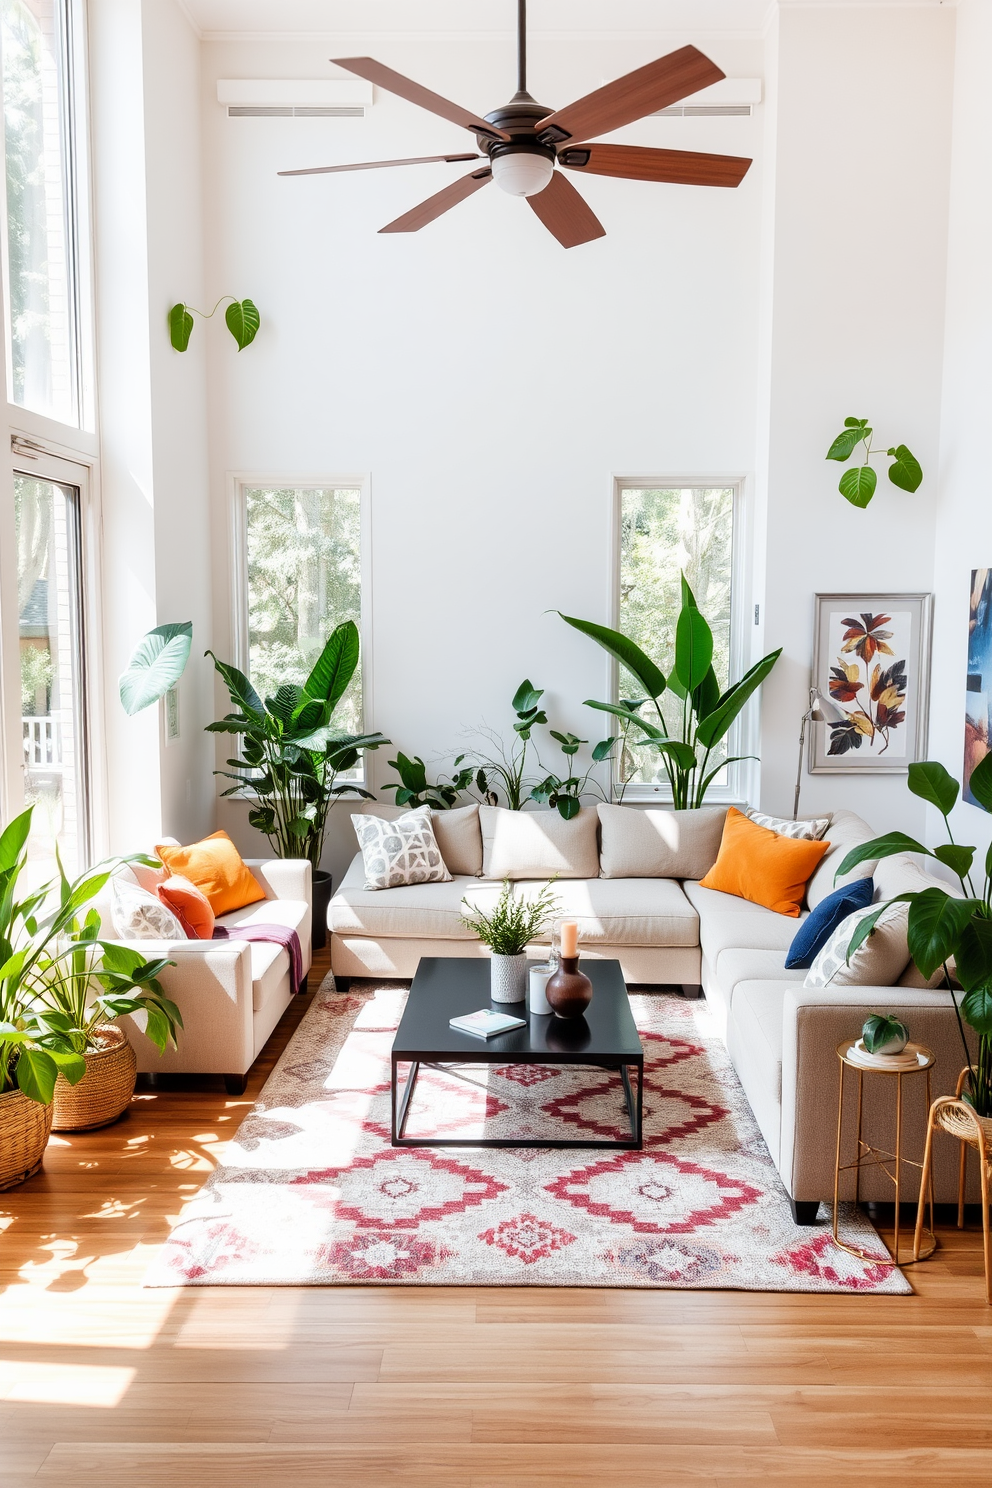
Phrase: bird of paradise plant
[878,693]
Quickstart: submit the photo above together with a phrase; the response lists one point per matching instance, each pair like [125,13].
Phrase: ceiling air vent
[730,98]
[294,98]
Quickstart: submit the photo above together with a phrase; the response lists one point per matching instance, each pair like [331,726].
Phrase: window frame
[239,482]
[74,123]
[743,736]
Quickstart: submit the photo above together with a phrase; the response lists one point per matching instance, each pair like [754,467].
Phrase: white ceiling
[224,18]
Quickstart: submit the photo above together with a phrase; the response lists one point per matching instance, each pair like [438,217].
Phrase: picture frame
[871,659]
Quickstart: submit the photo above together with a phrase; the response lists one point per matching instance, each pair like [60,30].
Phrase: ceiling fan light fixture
[522,172]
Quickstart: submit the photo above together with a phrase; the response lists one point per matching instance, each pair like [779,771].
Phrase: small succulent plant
[882,1035]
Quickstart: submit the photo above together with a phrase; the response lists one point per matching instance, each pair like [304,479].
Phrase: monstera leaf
[157,663]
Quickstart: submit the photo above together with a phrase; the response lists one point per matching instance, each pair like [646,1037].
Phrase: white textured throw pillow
[639,843]
[400,852]
[878,962]
[139,915]
[810,829]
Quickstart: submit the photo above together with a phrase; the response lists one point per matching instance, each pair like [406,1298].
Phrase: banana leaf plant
[58,979]
[705,713]
[945,927]
[291,754]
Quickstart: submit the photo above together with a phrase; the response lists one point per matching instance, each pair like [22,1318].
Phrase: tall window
[49,599]
[304,577]
[43,339]
[665,531]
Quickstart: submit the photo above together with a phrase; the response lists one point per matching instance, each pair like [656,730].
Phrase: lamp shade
[823,709]
[522,172]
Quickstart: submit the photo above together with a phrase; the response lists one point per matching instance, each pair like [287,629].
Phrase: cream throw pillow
[138,915]
[399,852]
[807,829]
[538,844]
[659,844]
[458,834]
[878,962]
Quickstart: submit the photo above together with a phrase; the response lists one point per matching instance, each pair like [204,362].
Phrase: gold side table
[869,1156]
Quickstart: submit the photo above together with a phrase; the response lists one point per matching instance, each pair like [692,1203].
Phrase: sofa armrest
[210,983]
[284,878]
[814,1021]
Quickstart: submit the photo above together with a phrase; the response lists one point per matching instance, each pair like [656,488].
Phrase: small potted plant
[882,1034]
[507,931]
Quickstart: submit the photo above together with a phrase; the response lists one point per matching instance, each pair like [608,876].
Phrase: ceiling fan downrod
[521,46]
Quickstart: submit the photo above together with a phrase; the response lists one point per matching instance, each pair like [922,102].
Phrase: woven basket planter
[24,1129]
[104,1093]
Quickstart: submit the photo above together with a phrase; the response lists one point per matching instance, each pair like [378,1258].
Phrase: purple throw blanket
[279,935]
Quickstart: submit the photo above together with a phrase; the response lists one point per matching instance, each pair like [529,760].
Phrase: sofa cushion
[538,844]
[400,852]
[216,868]
[726,922]
[658,844]
[429,911]
[269,961]
[846,831]
[458,834]
[623,911]
[878,961]
[811,828]
[764,866]
[735,966]
[755,1040]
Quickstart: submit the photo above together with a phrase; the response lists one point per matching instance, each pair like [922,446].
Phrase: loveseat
[631,879]
[231,992]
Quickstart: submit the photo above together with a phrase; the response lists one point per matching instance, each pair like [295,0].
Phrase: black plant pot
[322,883]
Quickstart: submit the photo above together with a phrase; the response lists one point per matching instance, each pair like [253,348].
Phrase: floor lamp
[820,710]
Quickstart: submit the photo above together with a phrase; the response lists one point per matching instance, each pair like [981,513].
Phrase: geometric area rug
[311,1192]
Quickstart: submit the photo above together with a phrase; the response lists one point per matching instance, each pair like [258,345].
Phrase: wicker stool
[952,1114]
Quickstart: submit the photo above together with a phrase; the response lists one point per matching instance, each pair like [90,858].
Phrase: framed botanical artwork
[977,698]
[871,658]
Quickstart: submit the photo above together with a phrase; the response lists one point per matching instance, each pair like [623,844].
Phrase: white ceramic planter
[509,978]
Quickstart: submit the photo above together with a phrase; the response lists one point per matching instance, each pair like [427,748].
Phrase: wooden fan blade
[404,87]
[565,214]
[656,86]
[329,170]
[634,163]
[436,206]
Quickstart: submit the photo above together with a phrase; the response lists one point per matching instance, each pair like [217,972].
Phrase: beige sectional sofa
[646,908]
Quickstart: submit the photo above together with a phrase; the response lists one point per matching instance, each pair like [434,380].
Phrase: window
[665,531]
[303,564]
[43,336]
[49,602]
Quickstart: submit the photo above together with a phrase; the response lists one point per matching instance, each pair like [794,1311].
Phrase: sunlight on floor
[64,1384]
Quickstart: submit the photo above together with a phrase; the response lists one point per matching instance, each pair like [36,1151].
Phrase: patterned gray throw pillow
[878,962]
[399,852]
[806,831]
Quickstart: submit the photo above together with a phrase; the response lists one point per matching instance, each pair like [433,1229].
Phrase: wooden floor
[104,1383]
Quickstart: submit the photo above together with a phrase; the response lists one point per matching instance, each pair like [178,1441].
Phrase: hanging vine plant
[241,316]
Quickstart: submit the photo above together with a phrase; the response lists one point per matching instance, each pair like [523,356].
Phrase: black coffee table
[445,988]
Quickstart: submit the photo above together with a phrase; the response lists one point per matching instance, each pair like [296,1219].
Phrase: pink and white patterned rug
[312,1192]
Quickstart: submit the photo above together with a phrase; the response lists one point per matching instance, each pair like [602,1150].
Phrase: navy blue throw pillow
[818,926]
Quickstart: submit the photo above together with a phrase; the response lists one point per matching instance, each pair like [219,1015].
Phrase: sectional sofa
[631,879]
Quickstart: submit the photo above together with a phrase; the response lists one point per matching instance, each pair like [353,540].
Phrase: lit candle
[569,938]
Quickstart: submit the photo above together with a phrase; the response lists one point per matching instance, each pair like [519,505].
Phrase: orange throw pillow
[216,867]
[190,907]
[763,866]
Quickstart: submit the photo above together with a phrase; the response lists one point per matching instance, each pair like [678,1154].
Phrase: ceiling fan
[525,141]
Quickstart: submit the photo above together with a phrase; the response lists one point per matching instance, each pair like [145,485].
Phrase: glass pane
[51,682]
[39,261]
[304,578]
[665,533]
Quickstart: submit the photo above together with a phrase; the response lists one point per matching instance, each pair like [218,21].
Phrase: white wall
[855,305]
[490,383]
[964,511]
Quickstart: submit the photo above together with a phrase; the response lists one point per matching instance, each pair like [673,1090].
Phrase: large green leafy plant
[944,926]
[291,755]
[705,714]
[58,979]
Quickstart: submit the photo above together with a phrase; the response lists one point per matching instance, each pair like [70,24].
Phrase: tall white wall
[490,383]
[855,305]
[964,511]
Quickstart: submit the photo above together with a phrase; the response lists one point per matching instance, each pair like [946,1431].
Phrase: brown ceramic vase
[569,991]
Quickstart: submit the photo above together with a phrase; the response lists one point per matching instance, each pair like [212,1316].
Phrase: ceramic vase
[508,978]
[569,991]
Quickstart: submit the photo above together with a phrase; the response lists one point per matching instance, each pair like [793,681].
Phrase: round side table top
[913,1060]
